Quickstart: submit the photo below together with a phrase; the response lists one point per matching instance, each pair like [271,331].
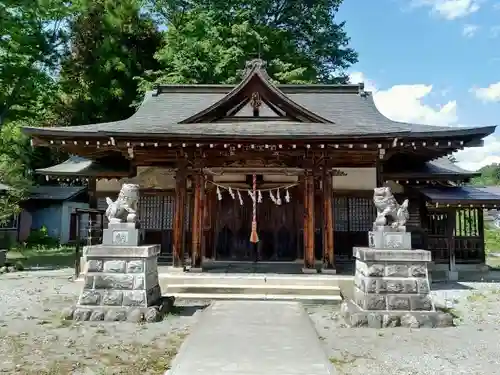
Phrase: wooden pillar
[328,252]
[179,219]
[309,229]
[209,214]
[92,192]
[451,227]
[197,226]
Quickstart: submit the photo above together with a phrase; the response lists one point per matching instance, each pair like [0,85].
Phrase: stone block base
[355,316]
[149,314]
[389,239]
[121,276]
[309,270]
[391,288]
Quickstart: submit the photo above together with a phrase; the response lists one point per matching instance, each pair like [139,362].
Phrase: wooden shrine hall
[276,173]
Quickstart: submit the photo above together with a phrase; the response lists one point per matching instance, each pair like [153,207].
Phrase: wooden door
[276,225]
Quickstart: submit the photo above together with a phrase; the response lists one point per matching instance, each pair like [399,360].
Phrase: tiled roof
[56,193]
[350,112]
[459,194]
[438,167]
[78,166]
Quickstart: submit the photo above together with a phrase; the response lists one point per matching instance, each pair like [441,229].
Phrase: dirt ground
[35,340]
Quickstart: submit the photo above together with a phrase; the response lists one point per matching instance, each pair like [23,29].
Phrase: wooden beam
[328,250]
[179,220]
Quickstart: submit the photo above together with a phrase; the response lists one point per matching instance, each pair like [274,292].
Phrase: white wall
[160,178]
[356,179]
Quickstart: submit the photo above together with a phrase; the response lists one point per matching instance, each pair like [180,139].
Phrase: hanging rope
[255,195]
[227,187]
[254,237]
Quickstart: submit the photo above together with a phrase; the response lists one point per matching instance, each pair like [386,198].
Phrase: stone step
[308,299]
[251,279]
[259,289]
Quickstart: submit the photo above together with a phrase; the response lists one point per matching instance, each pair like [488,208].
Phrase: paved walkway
[252,338]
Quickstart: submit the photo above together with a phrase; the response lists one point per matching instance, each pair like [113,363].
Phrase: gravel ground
[34,339]
[473,347]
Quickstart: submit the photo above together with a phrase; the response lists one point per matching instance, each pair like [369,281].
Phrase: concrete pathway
[252,338]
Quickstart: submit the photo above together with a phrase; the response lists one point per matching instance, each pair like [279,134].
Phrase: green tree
[32,40]
[112,42]
[490,175]
[209,41]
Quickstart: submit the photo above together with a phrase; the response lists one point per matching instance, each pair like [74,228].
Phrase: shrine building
[296,163]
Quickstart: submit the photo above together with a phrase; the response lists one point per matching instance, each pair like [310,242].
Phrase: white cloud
[470,30]
[495,31]
[488,94]
[450,9]
[405,103]
[477,157]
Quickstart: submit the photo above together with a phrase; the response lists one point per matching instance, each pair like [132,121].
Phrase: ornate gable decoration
[256,90]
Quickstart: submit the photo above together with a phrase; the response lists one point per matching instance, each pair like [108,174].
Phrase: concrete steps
[303,288]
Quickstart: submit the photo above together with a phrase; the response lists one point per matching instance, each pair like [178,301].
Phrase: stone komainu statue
[124,209]
[389,211]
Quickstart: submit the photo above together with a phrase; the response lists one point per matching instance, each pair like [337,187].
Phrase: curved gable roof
[328,111]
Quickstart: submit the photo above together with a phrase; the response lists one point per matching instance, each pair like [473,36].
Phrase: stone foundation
[119,281]
[355,316]
[149,314]
[392,280]
[391,288]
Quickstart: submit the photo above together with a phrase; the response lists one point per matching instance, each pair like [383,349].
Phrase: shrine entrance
[278,228]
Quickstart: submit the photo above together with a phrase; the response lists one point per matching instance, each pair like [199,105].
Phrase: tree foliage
[490,175]
[209,41]
[112,42]
[86,61]
[31,42]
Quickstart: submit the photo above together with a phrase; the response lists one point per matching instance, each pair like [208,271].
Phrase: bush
[40,238]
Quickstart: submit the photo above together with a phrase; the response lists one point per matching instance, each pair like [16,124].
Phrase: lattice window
[353,214]
[340,214]
[168,212]
[467,224]
[361,214]
[150,211]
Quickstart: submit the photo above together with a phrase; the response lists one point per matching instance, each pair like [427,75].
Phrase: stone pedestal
[392,280]
[391,284]
[120,279]
[119,234]
[122,276]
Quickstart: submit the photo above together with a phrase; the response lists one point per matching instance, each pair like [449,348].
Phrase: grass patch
[448,310]
[476,297]
[58,257]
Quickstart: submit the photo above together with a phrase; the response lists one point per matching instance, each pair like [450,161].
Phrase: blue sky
[431,61]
